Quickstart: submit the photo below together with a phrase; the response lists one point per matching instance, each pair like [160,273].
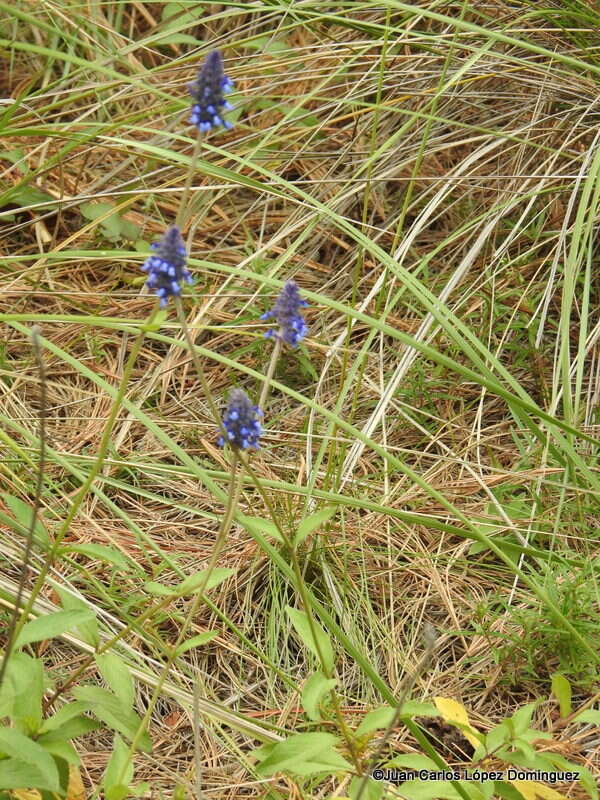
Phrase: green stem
[181,214]
[269,376]
[297,572]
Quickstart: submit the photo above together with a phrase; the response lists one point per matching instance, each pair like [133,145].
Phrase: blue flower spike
[241,422]
[286,311]
[208,92]
[166,266]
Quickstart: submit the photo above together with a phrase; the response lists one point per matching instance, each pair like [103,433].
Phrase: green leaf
[267,44]
[64,715]
[589,715]
[22,691]
[93,211]
[310,524]
[194,582]
[304,754]
[522,718]
[373,790]
[586,779]
[18,774]
[51,625]
[22,513]
[561,689]
[265,527]
[99,552]
[176,38]
[15,745]
[191,584]
[25,196]
[87,630]
[77,726]
[58,745]
[117,676]
[315,688]
[414,761]
[507,791]
[196,641]
[109,708]
[113,226]
[14,156]
[304,628]
[119,771]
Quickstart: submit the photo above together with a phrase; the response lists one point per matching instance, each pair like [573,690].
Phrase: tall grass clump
[298,408]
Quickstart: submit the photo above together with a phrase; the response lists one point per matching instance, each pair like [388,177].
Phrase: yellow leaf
[26,794]
[76,790]
[456,714]
[531,790]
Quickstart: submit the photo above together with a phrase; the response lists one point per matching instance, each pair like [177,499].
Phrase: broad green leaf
[191,584]
[589,715]
[15,156]
[414,761]
[304,627]
[310,524]
[586,779]
[117,676]
[88,631]
[304,754]
[30,195]
[196,641]
[265,527]
[64,715]
[267,44]
[18,774]
[194,582]
[119,771]
[51,625]
[58,745]
[108,708]
[176,38]
[93,211]
[22,691]
[315,688]
[561,689]
[373,790]
[99,552]
[74,727]
[16,745]
[522,718]
[507,791]
[22,513]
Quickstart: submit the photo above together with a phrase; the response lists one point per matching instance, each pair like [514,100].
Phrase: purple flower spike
[208,92]
[166,266]
[241,422]
[286,311]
